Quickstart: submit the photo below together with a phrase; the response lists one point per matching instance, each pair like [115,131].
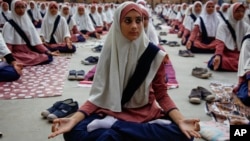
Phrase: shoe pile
[201,73]
[186,53]
[60,109]
[200,93]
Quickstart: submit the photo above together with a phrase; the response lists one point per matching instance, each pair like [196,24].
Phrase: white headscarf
[211,21]
[244,59]
[35,12]
[83,21]
[25,24]
[240,28]
[62,30]
[117,64]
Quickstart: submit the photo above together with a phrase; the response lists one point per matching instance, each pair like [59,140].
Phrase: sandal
[173,44]
[97,48]
[162,42]
[91,60]
[72,75]
[80,75]
[163,33]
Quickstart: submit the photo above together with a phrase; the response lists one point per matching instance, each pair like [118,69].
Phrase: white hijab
[83,21]
[211,21]
[240,28]
[117,64]
[62,30]
[25,24]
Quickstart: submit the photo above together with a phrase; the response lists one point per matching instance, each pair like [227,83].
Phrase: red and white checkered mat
[37,81]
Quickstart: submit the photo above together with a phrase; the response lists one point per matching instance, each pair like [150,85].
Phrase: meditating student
[42,9]
[84,23]
[54,32]
[148,27]
[179,19]
[229,37]
[96,19]
[103,18]
[76,35]
[189,21]
[202,38]
[5,13]
[242,89]
[172,18]
[128,101]
[109,14]
[10,69]
[24,41]
[223,12]
[35,14]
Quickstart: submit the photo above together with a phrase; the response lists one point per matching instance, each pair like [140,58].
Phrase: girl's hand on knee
[190,127]
[61,125]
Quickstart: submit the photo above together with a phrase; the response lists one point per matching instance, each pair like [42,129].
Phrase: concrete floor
[20,119]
